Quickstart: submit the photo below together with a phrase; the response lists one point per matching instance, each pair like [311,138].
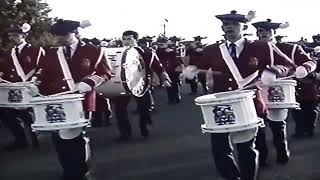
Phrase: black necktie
[17,52]
[68,53]
[233,51]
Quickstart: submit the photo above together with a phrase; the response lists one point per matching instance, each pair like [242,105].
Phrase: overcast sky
[187,18]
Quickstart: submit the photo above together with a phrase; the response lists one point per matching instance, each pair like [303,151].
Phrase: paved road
[176,150]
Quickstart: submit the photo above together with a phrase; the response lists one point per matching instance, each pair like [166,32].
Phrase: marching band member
[307,91]
[130,39]
[236,63]
[19,65]
[173,66]
[145,43]
[265,33]
[72,67]
[194,52]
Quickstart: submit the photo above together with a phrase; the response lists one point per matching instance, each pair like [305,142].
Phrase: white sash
[293,51]
[234,69]
[40,53]
[17,65]
[154,55]
[102,52]
[65,69]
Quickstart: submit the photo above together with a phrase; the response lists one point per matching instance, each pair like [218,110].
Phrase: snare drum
[280,94]
[128,73]
[230,111]
[58,112]
[15,95]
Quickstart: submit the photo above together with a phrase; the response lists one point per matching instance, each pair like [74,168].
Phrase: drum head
[277,114]
[133,72]
[243,136]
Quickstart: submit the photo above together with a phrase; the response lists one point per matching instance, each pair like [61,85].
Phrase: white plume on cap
[284,25]
[250,15]
[104,43]
[85,23]
[316,49]
[25,27]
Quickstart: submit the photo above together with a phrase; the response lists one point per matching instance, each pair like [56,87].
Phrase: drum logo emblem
[224,115]
[55,113]
[15,96]
[275,94]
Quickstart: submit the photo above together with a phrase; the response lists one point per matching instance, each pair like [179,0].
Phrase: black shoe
[309,134]
[122,139]
[16,146]
[263,164]
[145,131]
[283,158]
[108,123]
[151,109]
[74,178]
[298,135]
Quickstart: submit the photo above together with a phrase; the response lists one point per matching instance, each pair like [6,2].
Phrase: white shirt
[239,46]
[20,47]
[73,47]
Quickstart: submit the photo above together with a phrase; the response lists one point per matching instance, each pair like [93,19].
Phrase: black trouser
[10,119]
[72,156]
[174,91]
[120,105]
[193,84]
[306,117]
[225,162]
[280,142]
[203,80]
[144,113]
[150,99]
[102,113]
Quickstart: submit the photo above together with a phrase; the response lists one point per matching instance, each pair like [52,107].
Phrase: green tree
[34,12]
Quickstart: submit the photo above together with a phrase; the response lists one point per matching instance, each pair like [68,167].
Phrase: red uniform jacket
[27,60]
[254,56]
[306,89]
[88,64]
[194,55]
[170,61]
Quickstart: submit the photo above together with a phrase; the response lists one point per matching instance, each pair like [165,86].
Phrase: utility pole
[164,27]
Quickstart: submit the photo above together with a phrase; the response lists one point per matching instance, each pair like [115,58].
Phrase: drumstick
[287,77]
[249,86]
[6,81]
[258,82]
[62,93]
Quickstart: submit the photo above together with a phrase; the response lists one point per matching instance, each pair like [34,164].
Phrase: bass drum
[128,73]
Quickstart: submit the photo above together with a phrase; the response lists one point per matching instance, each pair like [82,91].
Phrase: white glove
[268,77]
[169,50]
[199,49]
[32,88]
[35,80]
[83,87]
[301,72]
[165,79]
[167,83]
[190,72]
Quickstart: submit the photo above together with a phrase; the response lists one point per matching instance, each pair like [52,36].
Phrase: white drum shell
[72,109]
[241,105]
[284,96]
[23,95]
